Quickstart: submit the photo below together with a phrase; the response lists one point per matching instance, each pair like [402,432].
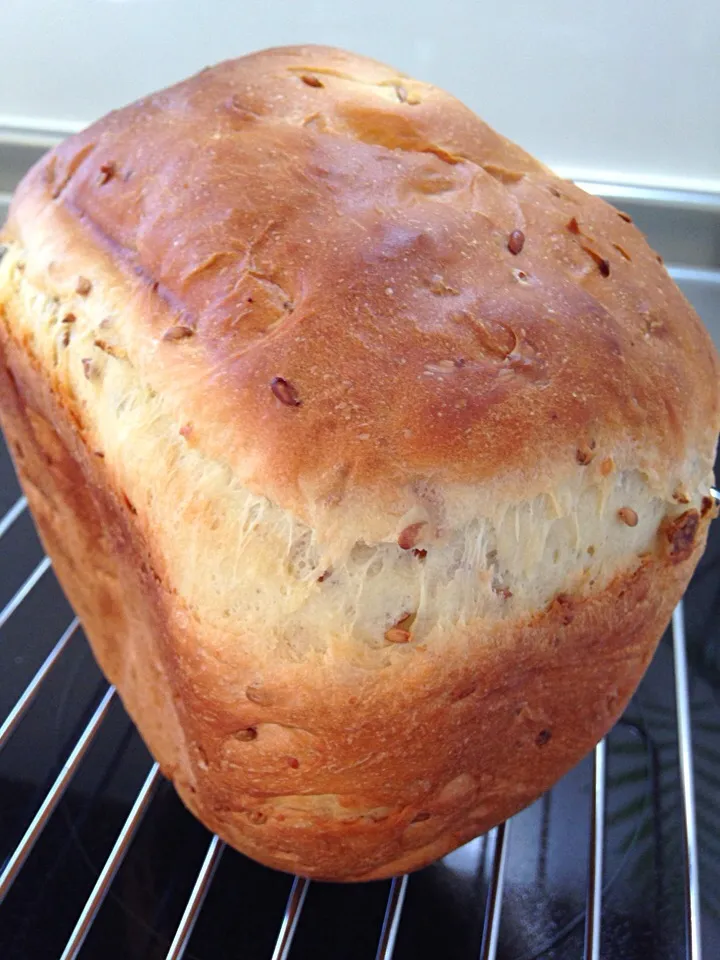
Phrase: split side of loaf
[372,455]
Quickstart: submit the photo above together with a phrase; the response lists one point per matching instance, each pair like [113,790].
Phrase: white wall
[619,90]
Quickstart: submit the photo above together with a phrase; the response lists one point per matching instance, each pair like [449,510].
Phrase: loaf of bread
[372,455]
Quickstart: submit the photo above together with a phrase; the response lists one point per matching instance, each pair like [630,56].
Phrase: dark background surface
[544,901]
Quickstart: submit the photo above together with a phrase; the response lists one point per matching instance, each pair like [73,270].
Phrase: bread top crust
[319,257]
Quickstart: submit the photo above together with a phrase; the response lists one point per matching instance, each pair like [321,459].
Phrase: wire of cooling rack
[54,796]
[112,864]
[597,847]
[692,873]
[11,516]
[197,898]
[33,688]
[491,926]
[395,902]
[293,909]
[300,886]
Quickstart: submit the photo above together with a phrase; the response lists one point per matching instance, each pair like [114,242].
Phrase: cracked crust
[372,455]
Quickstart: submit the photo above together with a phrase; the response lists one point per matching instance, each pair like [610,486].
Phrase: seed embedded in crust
[628,516]
[502,174]
[88,368]
[680,534]
[256,693]
[285,392]
[110,349]
[235,104]
[543,737]
[83,286]
[401,631]
[69,318]
[584,454]
[680,494]
[516,242]
[409,536]
[309,80]
[178,332]
[246,735]
[625,216]
[573,225]
[564,606]
[622,251]
[107,172]
[607,466]
[603,265]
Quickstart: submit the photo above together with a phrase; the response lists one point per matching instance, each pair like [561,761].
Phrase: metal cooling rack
[496,842]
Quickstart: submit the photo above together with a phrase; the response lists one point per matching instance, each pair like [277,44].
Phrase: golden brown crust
[352,238]
[336,288]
